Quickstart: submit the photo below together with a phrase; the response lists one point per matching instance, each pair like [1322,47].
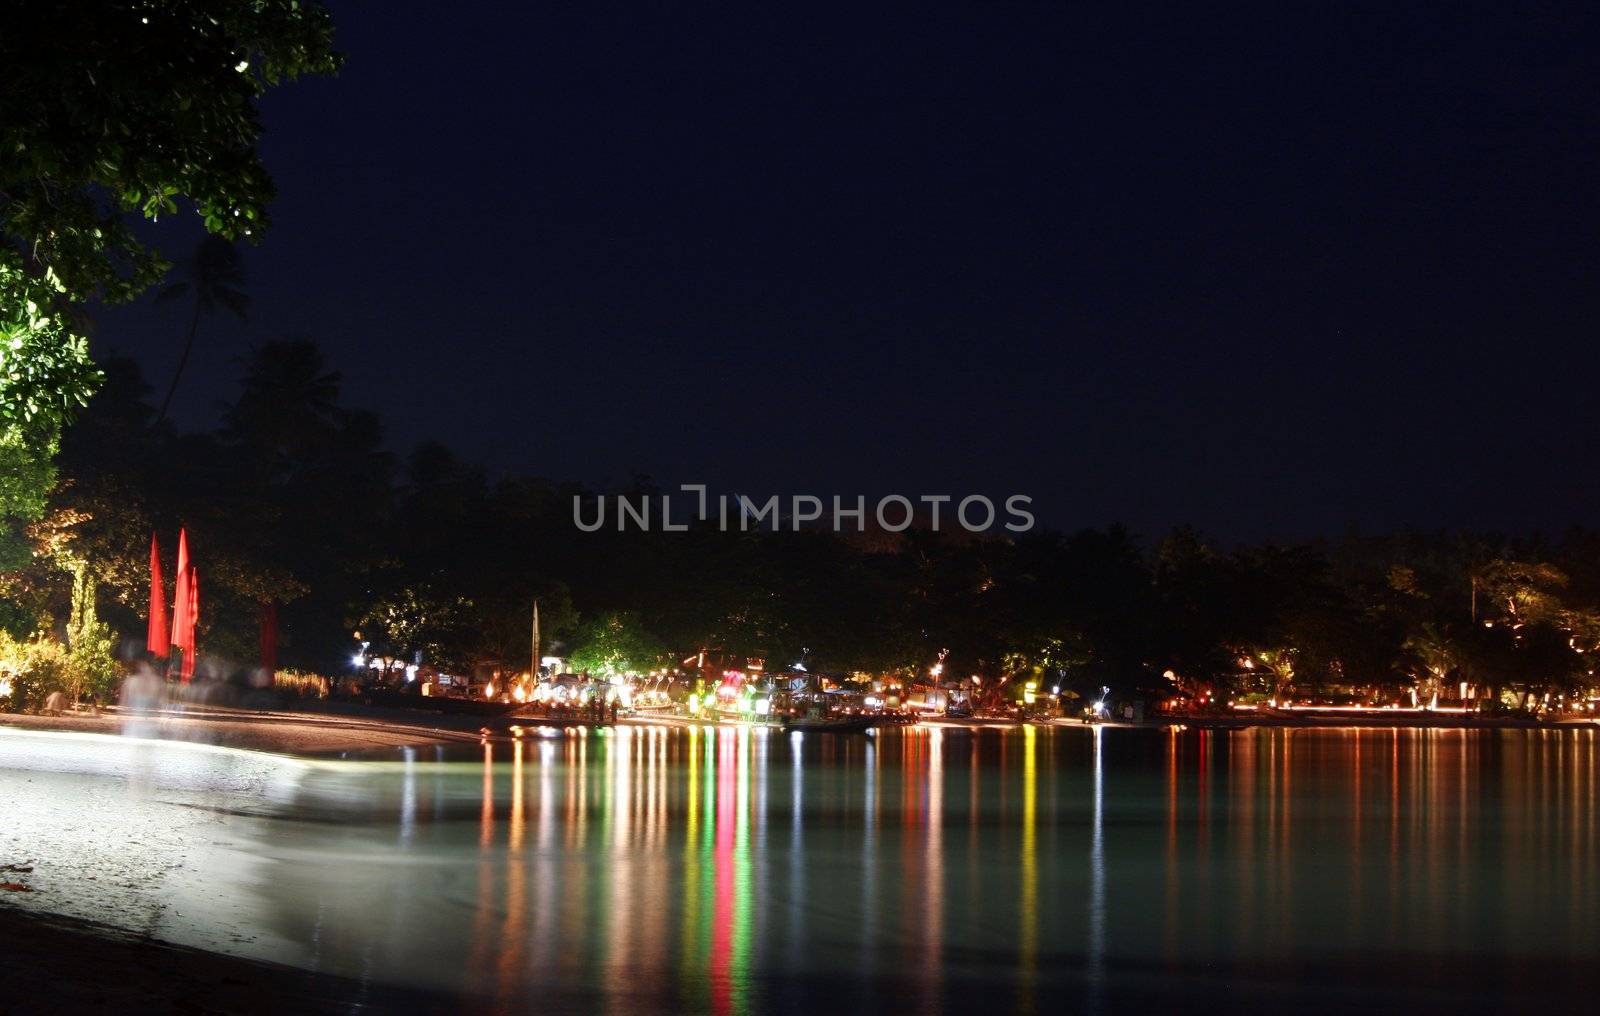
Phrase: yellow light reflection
[516,904]
[1028,947]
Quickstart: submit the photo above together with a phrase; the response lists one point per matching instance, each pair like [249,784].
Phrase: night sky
[1273,272]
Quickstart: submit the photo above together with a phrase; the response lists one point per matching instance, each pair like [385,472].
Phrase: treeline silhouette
[293,501]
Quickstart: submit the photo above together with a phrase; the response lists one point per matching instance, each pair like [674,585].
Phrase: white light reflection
[869,862]
[408,797]
[1097,885]
[797,862]
[933,934]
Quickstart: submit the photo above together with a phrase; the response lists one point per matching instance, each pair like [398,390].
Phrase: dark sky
[1271,271]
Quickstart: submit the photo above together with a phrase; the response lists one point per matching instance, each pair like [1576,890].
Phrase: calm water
[726,871]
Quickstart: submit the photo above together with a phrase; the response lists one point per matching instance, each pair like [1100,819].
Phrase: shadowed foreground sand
[59,965]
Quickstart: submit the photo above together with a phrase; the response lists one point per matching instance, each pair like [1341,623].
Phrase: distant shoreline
[335,729]
[1377,719]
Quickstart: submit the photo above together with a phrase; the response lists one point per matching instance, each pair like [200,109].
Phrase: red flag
[269,638]
[155,639]
[190,652]
[182,607]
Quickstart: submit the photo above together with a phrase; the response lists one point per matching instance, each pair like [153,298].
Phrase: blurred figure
[142,689]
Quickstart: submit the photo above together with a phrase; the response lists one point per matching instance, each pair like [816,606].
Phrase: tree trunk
[183,361]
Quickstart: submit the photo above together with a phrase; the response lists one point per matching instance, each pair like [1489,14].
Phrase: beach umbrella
[182,614]
[156,636]
[189,651]
[269,638]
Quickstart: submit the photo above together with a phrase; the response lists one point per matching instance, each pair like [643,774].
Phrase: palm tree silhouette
[215,277]
[290,401]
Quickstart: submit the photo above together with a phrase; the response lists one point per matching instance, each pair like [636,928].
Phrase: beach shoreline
[334,729]
[350,728]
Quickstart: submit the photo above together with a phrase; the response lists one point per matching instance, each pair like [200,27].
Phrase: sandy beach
[59,964]
[322,729]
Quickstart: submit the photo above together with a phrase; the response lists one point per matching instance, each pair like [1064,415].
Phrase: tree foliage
[115,109]
[116,106]
[615,643]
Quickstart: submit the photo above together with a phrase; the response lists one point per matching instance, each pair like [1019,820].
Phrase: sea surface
[727,870]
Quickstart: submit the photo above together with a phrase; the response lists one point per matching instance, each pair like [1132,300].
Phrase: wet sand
[62,964]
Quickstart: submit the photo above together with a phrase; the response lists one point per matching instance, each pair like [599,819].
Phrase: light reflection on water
[729,871]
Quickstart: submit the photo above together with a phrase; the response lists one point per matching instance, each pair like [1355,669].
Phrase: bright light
[763,707]
[358,660]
